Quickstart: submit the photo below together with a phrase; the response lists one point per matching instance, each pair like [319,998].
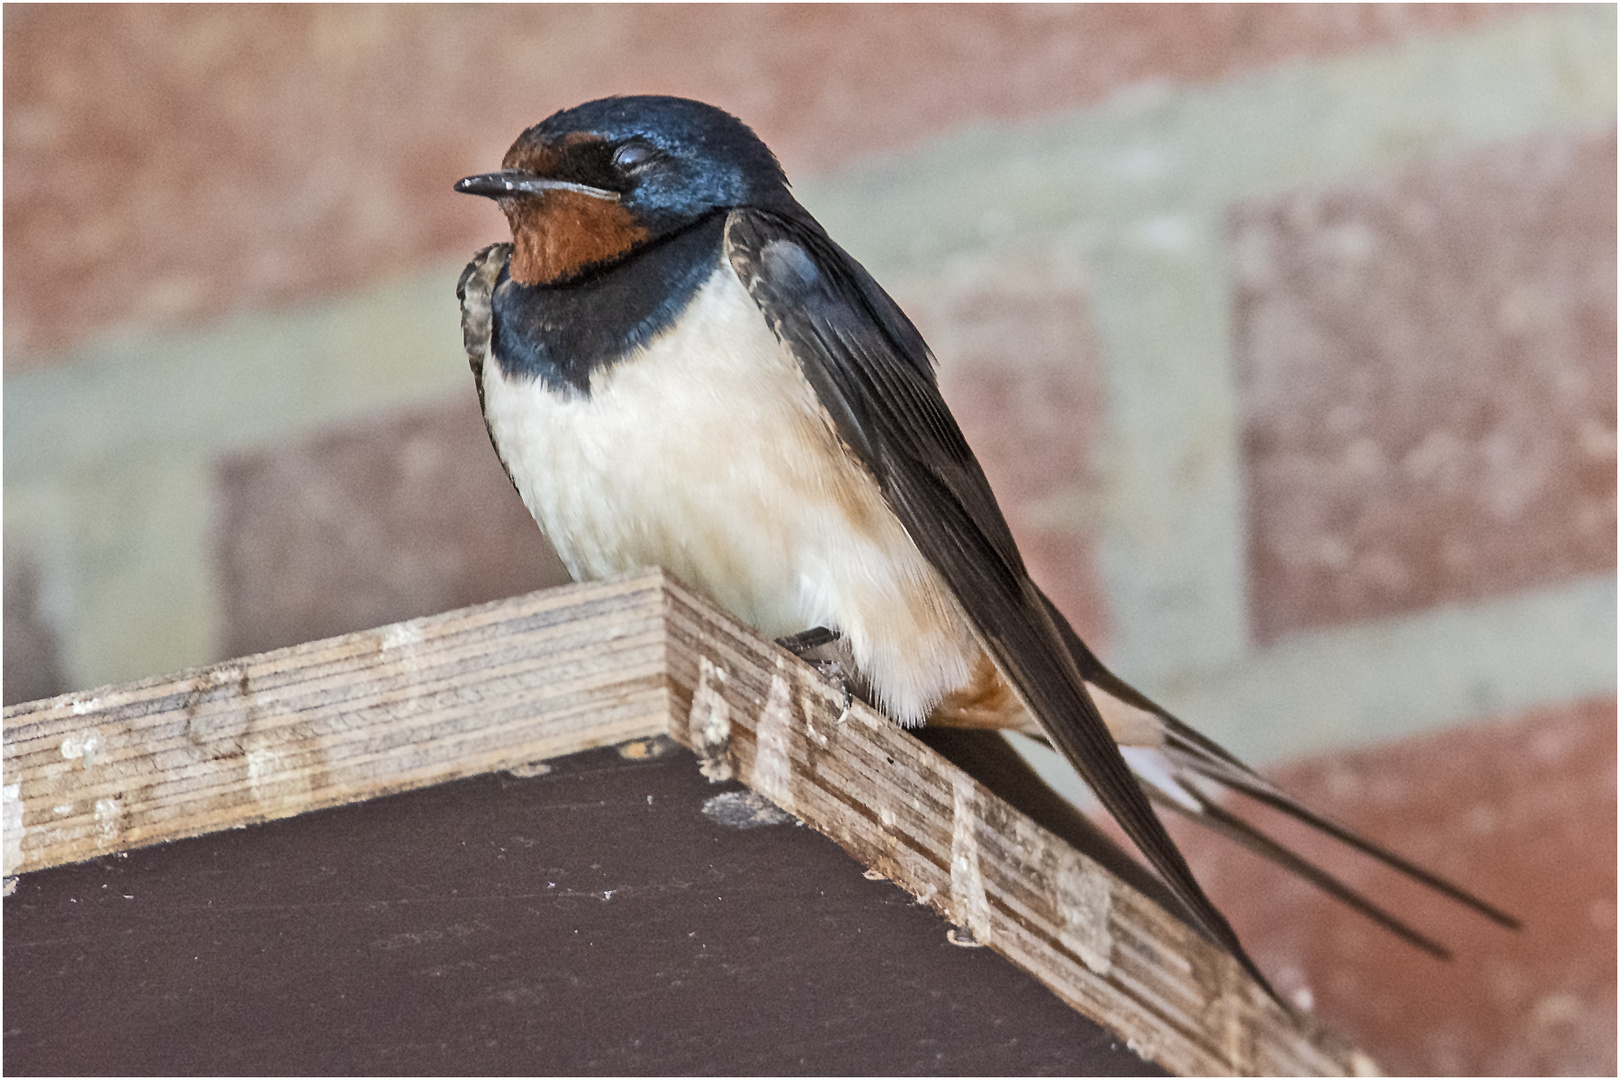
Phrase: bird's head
[590,184]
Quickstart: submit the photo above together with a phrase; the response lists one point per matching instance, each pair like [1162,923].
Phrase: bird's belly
[708,454]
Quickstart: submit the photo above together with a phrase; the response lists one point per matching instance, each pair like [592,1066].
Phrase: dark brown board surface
[590,920]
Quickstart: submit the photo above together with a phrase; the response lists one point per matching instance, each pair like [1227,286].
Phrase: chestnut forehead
[532,153]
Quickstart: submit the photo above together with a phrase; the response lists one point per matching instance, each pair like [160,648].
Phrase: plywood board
[554,672]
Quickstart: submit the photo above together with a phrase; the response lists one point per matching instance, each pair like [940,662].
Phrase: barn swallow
[679,367]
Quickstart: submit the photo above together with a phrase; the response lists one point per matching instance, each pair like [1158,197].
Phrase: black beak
[509,182]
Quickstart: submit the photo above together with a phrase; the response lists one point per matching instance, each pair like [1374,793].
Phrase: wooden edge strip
[753,712]
[335,721]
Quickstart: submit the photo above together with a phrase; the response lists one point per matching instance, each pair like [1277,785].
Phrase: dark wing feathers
[872,372]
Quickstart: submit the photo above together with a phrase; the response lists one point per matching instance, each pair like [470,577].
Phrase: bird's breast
[705,451]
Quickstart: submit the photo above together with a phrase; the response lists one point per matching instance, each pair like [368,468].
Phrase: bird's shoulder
[874,374]
[789,263]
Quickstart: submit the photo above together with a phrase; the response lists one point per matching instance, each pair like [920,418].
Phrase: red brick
[390,519]
[165,164]
[1428,377]
[1521,811]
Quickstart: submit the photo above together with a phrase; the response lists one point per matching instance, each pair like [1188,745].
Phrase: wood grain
[335,721]
[554,672]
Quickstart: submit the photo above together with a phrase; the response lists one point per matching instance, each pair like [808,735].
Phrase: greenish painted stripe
[255,378]
[1385,678]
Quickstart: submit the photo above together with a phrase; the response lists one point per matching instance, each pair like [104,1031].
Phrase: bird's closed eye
[633,155]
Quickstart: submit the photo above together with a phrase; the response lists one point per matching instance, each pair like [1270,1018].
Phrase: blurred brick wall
[1422,380]
[1429,376]
[166,164]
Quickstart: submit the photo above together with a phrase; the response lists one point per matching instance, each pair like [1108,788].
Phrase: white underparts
[707,453]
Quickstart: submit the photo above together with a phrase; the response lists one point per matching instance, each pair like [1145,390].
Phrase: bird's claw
[818,647]
[834,672]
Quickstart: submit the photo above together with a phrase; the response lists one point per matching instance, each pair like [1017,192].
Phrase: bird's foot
[820,647]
